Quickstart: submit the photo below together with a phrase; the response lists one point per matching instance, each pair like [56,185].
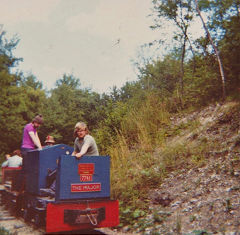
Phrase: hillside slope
[204,198]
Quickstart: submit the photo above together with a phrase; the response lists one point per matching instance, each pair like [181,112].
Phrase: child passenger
[84,143]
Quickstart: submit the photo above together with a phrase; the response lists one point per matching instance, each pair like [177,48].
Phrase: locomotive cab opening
[38,163]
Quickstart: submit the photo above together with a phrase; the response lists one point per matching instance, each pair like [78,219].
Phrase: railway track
[16,225]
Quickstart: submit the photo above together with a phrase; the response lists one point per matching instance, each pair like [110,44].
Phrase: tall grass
[141,125]
[133,162]
[141,156]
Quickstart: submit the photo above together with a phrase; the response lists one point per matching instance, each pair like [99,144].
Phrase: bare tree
[215,49]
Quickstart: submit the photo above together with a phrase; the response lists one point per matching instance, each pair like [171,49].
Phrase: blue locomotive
[81,199]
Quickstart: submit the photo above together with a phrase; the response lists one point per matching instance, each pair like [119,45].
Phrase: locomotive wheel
[27,215]
[12,208]
[19,207]
[2,198]
[20,202]
[38,220]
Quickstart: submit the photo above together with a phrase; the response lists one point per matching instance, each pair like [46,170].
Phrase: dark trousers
[24,151]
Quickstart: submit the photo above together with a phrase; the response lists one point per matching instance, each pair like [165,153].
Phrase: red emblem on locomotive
[86,171]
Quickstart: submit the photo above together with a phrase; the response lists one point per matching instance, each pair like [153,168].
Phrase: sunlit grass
[147,148]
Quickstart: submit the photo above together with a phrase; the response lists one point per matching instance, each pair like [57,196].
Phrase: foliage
[224,23]
[204,85]
[67,105]
[161,76]
[17,101]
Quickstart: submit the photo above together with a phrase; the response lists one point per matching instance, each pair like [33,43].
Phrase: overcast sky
[95,40]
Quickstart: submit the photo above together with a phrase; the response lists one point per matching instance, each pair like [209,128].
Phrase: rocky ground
[204,199]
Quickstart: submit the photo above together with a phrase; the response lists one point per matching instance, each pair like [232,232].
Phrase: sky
[96,41]
[93,40]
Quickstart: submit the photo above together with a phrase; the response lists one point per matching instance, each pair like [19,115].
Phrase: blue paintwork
[37,163]
[68,174]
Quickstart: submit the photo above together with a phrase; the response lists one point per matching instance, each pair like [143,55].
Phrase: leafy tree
[226,19]
[7,60]
[181,13]
[31,81]
[223,24]
[161,75]
[69,104]
[230,50]
[18,102]
[61,112]
[9,102]
[204,86]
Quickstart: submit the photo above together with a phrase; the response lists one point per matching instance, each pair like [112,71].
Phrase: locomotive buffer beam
[88,216]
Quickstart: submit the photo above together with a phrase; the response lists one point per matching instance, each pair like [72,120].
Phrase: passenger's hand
[78,155]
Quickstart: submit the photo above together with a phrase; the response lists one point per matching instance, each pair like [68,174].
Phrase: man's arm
[35,139]
[83,150]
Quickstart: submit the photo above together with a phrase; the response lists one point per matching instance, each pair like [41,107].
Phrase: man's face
[36,125]
[81,133]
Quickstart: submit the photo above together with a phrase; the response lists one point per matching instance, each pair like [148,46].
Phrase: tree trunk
[182,66]
[216,52]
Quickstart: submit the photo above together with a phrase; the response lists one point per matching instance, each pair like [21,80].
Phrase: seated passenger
[7,156]
[49,141]
[84,143]
[14,161]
